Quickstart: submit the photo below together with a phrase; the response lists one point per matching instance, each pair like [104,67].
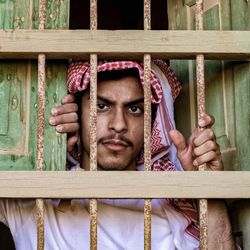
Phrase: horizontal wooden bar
[125,44]
[126,184]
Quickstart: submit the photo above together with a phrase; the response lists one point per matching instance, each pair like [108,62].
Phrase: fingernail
[54,111]
[195,163]
[52,121]
[59,128]
[201,123]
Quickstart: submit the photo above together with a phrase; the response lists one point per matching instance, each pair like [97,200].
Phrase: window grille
[167,44]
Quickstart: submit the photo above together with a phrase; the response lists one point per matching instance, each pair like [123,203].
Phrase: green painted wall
[18,91]
[227,93]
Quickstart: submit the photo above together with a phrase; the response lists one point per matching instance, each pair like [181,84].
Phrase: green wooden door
[227,92]
[227,83]
[18,91]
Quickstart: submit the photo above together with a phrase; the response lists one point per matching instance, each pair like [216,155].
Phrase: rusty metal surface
[93,115]
[93,121]
[93,146]
[199,15]
[40,112]
[93,223]
[40,127]
[147,224]
[40,223]
[203,207]
[203,224]
[147,126]
[200,85]
[147,14]
[93,14]
[42,14]
[147,112]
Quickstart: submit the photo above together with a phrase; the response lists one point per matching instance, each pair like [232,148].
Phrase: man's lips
[115,144]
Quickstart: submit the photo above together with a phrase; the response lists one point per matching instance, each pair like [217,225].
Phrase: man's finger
[205,158]
[215,165]
[67,128]
[204,136]
[63,119]
[178,140]
[206,121]
[64,109]
[204,148]
[71,143]
[68,99]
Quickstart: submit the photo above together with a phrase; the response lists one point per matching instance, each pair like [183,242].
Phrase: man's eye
[101,106]
[135,110]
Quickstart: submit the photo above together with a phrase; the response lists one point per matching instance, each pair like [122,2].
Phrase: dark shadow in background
[114,14]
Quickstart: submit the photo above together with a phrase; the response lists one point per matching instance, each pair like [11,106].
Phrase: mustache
[119,137]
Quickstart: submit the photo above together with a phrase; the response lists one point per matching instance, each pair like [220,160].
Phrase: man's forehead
[126,87]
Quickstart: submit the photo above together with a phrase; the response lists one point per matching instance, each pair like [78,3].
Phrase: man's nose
[118,122]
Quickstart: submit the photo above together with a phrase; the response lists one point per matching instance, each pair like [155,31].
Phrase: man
[120,126]
[120,142]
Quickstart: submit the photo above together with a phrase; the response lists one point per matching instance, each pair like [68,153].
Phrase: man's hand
[201,148]
[65,118]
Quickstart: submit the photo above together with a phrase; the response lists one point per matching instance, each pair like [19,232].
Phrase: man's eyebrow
[104,99]
[134,102]
[129,103]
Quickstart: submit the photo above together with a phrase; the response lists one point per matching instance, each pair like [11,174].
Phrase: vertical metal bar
[203,208]
[93,147]
[147,147]
[147,126]
[93,14]
[40,128]
[93,119]
[147,14]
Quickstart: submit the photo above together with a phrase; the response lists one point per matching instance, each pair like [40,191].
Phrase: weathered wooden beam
[127,184]
[125,44]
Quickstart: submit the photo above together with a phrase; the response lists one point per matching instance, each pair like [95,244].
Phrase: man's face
[120,111]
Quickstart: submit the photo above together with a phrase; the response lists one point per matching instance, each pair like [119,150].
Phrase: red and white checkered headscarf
[165,88]
[79,76]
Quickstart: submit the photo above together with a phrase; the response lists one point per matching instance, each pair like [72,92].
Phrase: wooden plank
[129,43]
[18,91]
[127,184]
[15,94]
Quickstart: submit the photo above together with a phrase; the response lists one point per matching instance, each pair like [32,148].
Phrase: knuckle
[198,161]
[210,133]
[195,152]
[77,126]
[74,107]
[210,145]
[74,116]
[213,155]
[60,110]
[66,99]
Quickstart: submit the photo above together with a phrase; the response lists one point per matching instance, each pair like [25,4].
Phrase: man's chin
[115,165]
[112,167]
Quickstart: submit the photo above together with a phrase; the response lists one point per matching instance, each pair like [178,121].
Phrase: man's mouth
[115,144]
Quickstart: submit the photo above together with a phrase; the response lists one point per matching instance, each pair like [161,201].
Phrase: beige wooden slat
[130,184]
[147,126]
[125,44]
[203,206]
[93,128]
[41,128]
